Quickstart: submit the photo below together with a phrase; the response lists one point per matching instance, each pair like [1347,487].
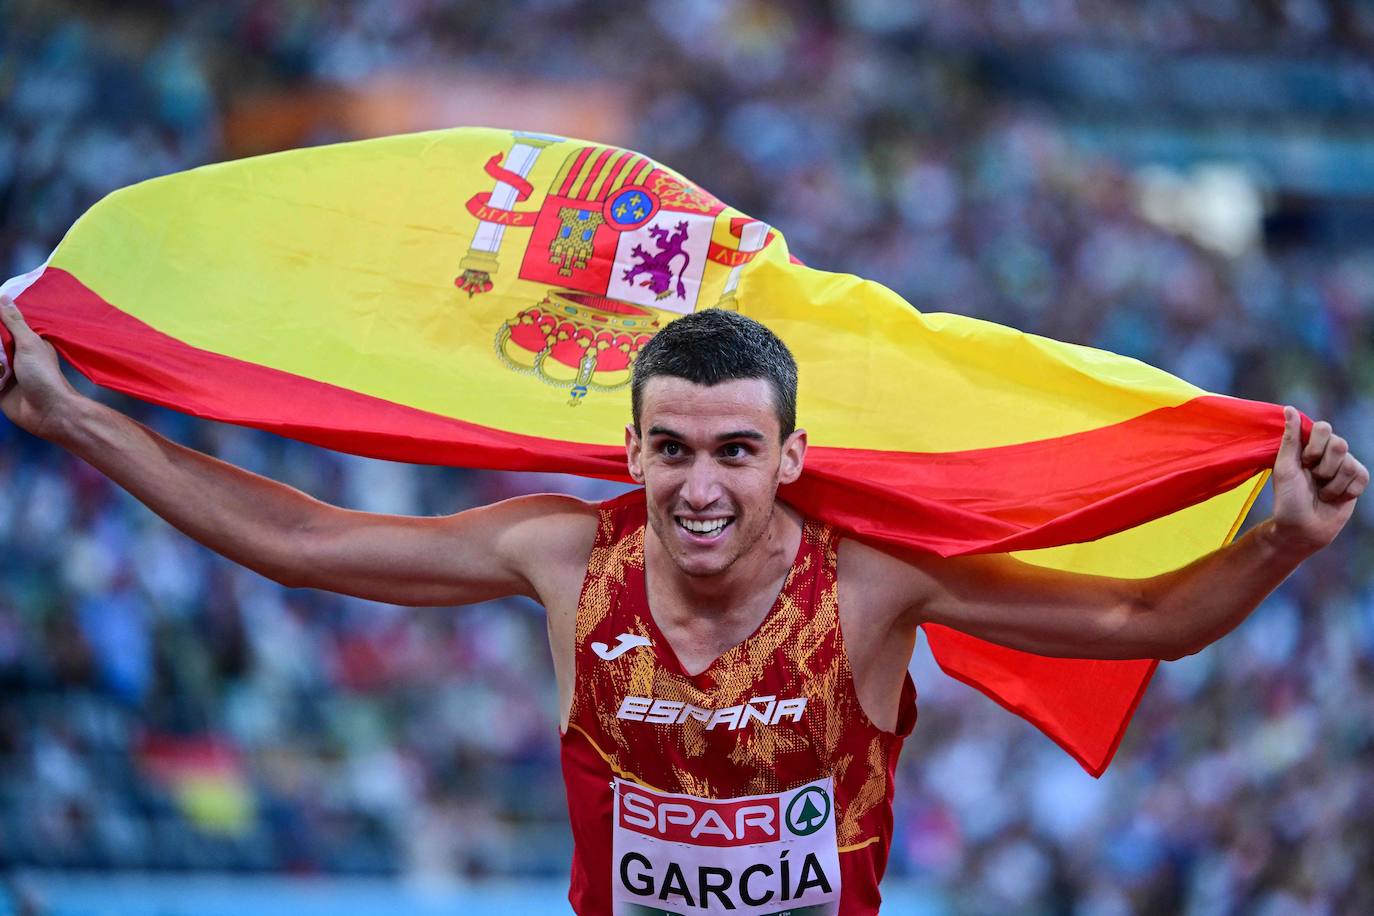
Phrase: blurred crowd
[161,708]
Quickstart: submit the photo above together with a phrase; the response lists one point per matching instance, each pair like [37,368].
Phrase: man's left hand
[1315,486]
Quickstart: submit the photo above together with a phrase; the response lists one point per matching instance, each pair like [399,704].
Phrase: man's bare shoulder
[882,582]
[556,523]
[547,537]
[554,506]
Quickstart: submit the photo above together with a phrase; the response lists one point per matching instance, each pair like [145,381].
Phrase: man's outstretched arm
[276,530]
[1049,612]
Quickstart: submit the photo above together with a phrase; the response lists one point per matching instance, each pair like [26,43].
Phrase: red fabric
[977,501]
[798,651]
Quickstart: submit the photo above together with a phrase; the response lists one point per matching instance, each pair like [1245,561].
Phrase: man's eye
[734,451]
[670,449]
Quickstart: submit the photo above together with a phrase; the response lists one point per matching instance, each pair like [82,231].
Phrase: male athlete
[732,677]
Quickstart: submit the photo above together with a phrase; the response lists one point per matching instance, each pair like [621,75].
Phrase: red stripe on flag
[114,349]
[1062,490]
[1082,704]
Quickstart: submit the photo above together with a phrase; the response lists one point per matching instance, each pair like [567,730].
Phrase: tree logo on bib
[809,811]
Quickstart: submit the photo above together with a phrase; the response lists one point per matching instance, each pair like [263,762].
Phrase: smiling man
[732,676]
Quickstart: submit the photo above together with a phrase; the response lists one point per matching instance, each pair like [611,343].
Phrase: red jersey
[758,786]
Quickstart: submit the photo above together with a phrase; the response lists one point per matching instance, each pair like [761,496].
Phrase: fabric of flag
[477,298]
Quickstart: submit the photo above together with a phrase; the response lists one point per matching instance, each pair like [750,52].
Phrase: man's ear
[793,457]
[632,453]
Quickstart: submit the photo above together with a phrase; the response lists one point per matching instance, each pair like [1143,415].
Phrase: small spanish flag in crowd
[205,776]
[477,298]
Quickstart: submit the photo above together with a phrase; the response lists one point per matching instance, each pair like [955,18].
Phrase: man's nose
[702,486]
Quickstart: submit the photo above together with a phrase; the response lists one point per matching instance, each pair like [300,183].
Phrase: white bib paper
[760,855]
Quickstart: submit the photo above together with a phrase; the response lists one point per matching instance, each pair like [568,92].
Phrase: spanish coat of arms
[621,245]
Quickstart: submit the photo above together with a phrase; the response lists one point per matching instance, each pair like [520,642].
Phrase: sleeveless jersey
[758,786]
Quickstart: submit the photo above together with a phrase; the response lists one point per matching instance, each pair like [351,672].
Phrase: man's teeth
[707,526]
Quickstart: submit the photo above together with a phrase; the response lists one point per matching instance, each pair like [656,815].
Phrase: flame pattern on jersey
[797,651]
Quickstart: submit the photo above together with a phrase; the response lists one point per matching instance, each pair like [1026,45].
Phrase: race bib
[761,855]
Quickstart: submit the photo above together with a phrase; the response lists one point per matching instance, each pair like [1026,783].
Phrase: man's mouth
[704,527]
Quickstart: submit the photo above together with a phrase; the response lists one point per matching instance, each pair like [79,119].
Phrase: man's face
[711,463]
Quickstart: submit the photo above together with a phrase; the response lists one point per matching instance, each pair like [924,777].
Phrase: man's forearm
[247,518]
[1316,485]
[1194,606]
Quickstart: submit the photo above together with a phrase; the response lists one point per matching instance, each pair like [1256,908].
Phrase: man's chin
[703,564]
[703,568]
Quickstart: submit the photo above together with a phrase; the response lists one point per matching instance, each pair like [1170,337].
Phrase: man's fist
[1315,486]
[33,392]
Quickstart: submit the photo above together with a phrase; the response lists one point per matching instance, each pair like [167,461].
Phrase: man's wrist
[76,423]
[1281,546]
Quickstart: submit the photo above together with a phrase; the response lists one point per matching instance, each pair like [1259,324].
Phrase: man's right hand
[34,393]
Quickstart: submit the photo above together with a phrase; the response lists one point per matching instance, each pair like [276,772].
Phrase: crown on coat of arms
[577,341]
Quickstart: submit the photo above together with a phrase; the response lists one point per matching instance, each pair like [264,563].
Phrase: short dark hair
[714,346]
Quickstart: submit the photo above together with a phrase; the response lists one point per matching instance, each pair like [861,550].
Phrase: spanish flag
[477,298]
[205,776]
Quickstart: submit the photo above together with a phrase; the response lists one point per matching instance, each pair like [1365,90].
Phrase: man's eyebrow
[752,434]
